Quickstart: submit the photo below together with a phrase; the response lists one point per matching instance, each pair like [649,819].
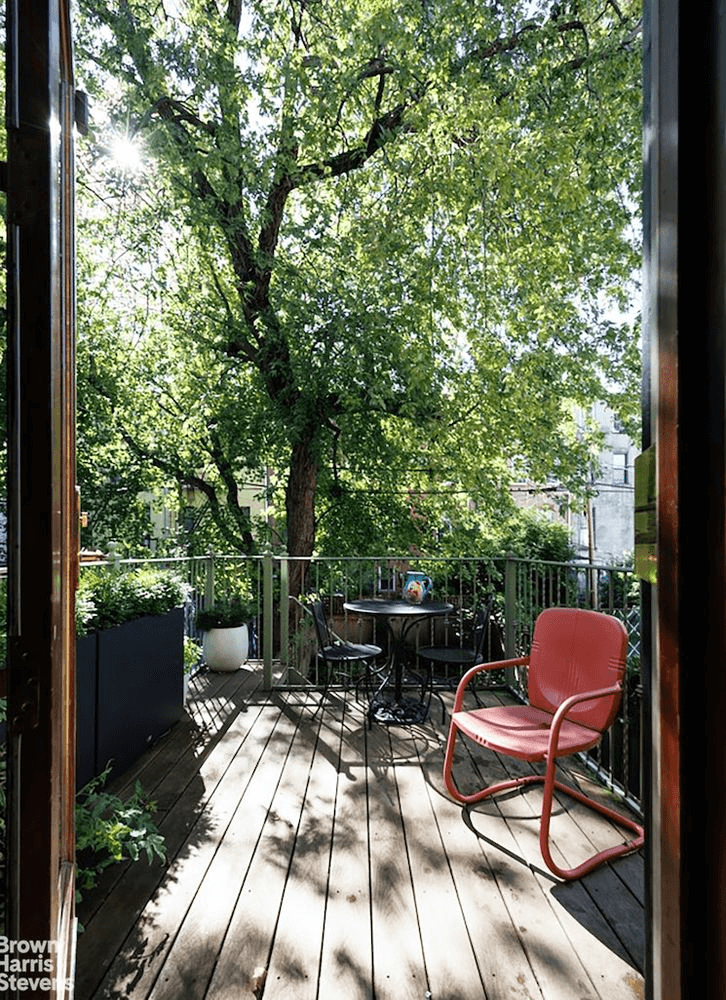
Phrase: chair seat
[440,654]
[351,651]
[522,731]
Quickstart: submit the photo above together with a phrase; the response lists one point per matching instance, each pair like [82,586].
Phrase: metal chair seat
[345,652]
[449,656]
[334,652]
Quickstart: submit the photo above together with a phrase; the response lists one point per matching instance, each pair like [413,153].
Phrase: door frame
[42,504]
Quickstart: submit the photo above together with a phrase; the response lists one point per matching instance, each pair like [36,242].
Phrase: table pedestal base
[405,712]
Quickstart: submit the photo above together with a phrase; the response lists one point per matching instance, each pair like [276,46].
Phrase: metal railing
[283,641]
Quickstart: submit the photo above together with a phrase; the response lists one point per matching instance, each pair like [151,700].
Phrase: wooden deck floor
[311,858]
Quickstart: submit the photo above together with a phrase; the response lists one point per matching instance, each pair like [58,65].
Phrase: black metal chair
[461,658]
[335,655]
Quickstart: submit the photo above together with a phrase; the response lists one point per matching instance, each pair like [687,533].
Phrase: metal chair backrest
[321,624]
[573,651]
[482,613]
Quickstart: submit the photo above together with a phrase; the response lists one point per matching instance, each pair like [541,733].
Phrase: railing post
[510,606]
[209,581]
[267,618]
[113,557]
[284,607]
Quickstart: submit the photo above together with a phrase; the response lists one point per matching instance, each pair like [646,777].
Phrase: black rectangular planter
[133,695]
[86,696]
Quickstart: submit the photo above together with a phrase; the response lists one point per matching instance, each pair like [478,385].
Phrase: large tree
[404,229]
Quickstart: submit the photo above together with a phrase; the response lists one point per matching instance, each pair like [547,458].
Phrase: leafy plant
[109,830]
[192,654]
[106,598]
[231,613]
[85,612]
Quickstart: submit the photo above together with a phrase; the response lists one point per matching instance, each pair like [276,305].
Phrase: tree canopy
[381,249]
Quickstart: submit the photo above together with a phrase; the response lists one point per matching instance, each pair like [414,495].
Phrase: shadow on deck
[311,857]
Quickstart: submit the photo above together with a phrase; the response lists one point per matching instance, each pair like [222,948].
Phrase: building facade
[601,532]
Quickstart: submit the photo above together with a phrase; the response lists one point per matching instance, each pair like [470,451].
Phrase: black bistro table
[388,704]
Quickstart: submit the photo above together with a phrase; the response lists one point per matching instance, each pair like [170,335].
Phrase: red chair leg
[550,784]
[568,874]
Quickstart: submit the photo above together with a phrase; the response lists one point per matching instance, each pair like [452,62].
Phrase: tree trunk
[300,507]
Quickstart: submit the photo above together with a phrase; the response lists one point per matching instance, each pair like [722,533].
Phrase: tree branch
[516,39]
[174,111]
[234,13]
[244,539]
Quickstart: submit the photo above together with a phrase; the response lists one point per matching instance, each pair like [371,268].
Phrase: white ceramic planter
[226,649]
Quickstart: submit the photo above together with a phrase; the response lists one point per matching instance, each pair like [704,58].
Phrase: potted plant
[130,634]
[225,644]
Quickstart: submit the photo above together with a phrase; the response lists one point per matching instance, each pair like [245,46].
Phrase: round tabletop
[391,608]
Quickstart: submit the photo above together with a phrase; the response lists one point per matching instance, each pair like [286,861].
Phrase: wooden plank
[243,954]
[216,698]
[451,965]
[555,964]
[346,963]
[622,912]
[190,963]
[203,814]
[294,968]
[398,964]
[502,960]
[631,871]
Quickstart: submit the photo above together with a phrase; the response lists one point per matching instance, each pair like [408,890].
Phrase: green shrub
[108,830]
[230,613]
[192,654]
[107,597]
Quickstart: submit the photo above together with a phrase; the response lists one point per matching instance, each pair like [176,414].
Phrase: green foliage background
[379,250]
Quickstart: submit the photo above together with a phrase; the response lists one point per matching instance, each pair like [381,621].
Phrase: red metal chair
[576,668]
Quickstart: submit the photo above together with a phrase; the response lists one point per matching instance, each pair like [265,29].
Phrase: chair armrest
[471,673]
[575,699]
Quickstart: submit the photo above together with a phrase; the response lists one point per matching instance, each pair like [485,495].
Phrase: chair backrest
[321,624]
[482,613]
[572,651]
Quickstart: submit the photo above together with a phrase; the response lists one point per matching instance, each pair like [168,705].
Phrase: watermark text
[27,965]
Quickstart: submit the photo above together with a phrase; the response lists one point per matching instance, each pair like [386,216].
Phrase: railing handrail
[571,564]
[317,557]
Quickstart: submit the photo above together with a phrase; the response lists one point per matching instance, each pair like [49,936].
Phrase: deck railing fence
[283,640]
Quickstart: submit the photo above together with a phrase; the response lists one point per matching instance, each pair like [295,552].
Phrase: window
[620,467]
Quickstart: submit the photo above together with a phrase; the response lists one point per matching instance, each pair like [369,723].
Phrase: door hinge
[24,704]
